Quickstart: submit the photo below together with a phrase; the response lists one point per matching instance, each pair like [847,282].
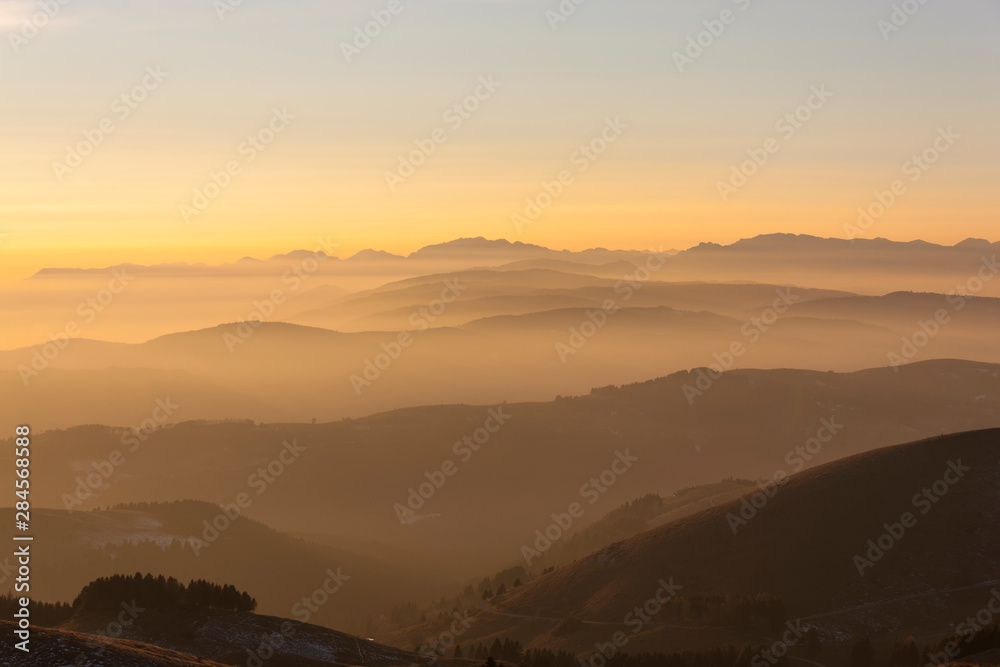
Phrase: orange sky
[328,131]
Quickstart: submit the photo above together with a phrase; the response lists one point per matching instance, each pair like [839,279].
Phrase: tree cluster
[108,593]
[43,614]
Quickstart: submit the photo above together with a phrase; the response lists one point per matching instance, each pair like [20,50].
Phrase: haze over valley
[500,333]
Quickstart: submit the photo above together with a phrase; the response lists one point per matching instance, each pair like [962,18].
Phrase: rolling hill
[62,647]
[887,543]
[806,542]
[746,424]
[171,539]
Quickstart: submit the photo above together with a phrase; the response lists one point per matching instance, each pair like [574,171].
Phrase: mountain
[745,423]
[640,515]
[531,288]
[464,253]
[133,303]
[431,339]
[868,266]
[134,634]
[892,542]
[900,311]
[173,539]
[752,258]
[809,542]
[63,647]
[232,638]
[481,249]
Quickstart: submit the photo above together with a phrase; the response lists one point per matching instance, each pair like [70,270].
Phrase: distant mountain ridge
[499,251]
[465,252]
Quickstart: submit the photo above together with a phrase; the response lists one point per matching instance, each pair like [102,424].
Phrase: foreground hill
[232,637]
[809,543]
[207,638]
[62,647]
[935,564]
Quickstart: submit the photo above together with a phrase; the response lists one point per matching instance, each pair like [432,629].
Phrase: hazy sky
[324,173]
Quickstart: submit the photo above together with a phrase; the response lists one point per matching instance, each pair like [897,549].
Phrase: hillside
[802,546]
[641,514]
[171,540]
[274,352]
[802,543]
[62,647]
[230,637]
[745,424]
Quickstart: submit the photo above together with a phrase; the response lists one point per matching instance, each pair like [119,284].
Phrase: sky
[207,130]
